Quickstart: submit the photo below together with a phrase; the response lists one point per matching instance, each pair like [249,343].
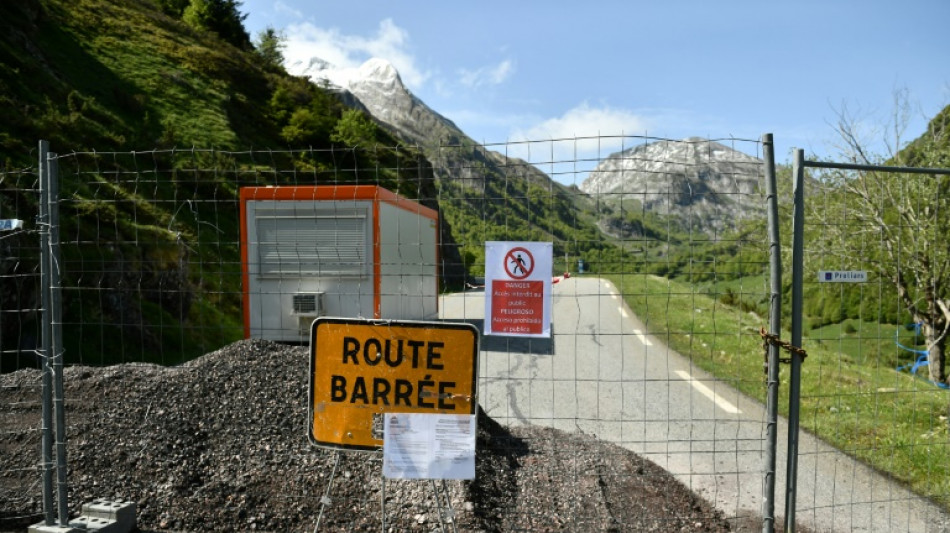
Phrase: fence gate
[869,266]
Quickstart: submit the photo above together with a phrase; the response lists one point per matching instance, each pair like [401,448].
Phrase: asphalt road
[603,374]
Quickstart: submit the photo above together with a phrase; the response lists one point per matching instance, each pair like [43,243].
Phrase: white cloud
[306,41]
[582,133]
[587,121]
[284,8]
[494,75]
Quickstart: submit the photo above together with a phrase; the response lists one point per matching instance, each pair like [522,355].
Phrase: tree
[221,17]
[307,127]
[270,47]
[305,114]
[354,129]
[173,8]
[897,223]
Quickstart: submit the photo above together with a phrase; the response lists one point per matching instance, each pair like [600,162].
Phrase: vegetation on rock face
[219,16]
[151,80]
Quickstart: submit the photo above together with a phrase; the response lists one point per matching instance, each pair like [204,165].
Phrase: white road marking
[707,392]
[623,312]
[643,338]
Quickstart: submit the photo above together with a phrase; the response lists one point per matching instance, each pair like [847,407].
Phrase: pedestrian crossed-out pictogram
[519,263]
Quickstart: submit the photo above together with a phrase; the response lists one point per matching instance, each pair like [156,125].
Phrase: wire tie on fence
[775,340]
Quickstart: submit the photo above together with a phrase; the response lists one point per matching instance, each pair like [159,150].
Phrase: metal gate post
[795,376]
[775,328]
[56,328]
[46,333]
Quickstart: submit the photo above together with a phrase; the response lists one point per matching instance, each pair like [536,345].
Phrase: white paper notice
[428,446]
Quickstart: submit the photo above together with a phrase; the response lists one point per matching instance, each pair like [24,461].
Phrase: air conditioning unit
[307,307]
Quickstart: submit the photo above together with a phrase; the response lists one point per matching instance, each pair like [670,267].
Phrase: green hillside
[118,84]
[123,75]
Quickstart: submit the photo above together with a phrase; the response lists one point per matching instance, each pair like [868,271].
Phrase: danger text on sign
[517,306]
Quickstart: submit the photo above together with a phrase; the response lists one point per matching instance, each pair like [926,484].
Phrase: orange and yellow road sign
[360,370]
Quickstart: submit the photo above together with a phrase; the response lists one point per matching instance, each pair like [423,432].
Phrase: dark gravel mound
[219,444]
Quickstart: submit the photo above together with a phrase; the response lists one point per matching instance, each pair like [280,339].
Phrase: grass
[852,396]
[867,342]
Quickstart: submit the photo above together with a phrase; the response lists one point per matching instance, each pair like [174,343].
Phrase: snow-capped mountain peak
[380,72]
[375,75]
[377,86]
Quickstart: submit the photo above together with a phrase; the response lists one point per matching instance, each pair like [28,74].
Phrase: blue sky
[509,70]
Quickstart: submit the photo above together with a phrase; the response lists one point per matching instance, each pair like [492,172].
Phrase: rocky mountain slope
[377,87]
[510,198]
[705,183]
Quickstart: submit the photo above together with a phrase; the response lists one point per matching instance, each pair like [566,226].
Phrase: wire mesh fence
[20,308]
[642,411]
[874,383]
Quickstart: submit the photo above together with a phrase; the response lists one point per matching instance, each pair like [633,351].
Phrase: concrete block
[98,525]
[101,525]
[100,516]
[121,512]
[43,528]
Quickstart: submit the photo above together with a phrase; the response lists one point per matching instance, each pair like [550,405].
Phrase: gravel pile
[219,444]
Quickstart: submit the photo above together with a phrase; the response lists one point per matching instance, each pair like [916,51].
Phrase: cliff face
[708,182]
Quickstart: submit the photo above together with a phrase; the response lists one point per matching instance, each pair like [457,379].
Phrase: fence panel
[638,336]
[21,497]
[874,271]
[643,410]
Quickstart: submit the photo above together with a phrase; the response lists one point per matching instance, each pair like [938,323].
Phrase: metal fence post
[775,328]
[56,328]
[795,376]
[45,351]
